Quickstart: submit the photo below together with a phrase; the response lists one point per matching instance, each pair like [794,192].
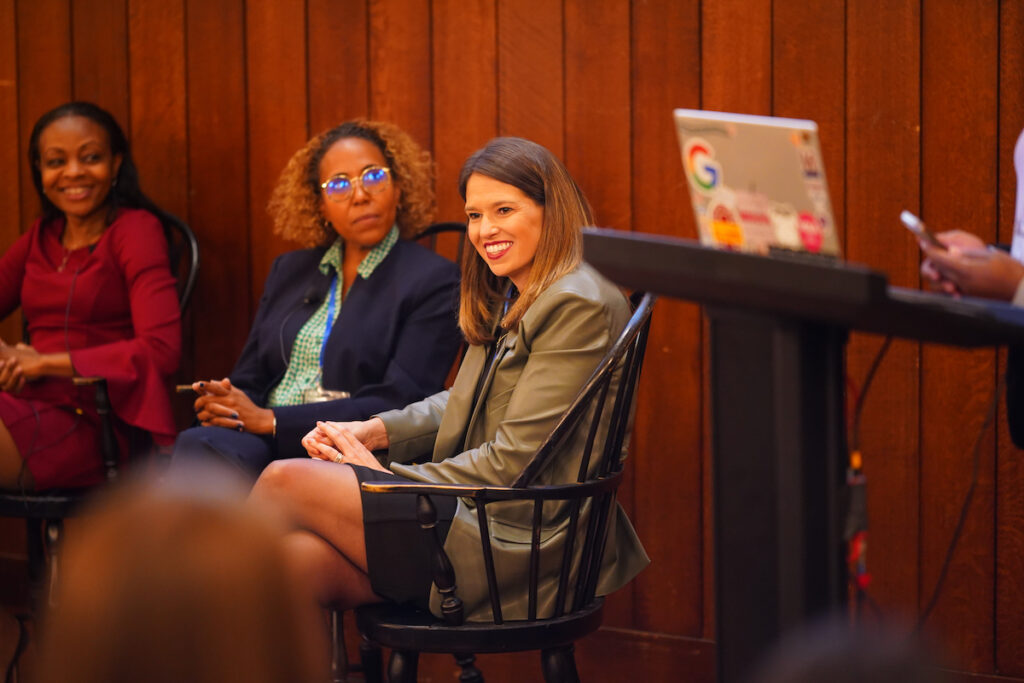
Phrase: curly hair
[295,202]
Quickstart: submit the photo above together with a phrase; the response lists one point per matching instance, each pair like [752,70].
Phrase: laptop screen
[757,183]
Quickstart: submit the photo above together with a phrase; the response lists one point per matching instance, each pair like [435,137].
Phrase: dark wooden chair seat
[578,611]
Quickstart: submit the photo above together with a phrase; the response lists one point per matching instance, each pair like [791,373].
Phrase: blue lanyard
[330,318]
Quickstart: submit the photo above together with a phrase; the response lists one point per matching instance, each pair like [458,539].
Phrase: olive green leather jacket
[541,366]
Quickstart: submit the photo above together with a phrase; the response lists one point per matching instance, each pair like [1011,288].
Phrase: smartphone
[916,226]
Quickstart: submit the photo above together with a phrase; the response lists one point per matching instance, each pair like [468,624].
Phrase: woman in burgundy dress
[98,298]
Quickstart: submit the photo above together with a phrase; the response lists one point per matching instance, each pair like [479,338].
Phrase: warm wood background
[919,104]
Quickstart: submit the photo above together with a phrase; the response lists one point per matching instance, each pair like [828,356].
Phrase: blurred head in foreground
[833,650]
[163,583]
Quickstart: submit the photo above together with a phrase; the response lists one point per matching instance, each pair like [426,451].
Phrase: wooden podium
[778,328]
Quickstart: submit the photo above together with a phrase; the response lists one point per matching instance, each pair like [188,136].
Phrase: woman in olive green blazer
[522,370]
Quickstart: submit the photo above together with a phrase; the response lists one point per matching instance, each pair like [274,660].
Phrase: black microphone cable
[312,295]
[964,508]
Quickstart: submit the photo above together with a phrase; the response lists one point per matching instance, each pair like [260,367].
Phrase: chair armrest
[495,493]
[108,443]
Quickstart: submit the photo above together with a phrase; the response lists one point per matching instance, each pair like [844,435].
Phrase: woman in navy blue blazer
[361,322]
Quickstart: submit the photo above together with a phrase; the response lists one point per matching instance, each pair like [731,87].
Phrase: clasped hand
[346,442]
[18,364]
[222,405]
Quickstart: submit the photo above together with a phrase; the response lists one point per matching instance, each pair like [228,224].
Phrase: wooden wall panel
[1009,538]
[959,84]
[809,77]
[882,177]
[275,35]
[338,73]
[597,152]
[465,98]
[531,74]
[12,534]
[157,100]
[400,73]
[156,48]
[10,147]
[44,77]
[99,66]
[668,429]
[736,54]
[735,48]
[919,105]
[597,105]
[218,181]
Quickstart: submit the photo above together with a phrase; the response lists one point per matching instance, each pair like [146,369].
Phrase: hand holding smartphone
[917,226]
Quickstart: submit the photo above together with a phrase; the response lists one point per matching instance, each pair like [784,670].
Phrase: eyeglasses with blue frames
[340,186]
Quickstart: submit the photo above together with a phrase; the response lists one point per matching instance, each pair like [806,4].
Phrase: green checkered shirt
[304,365]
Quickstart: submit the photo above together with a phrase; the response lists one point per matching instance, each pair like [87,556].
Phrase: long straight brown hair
[543,178]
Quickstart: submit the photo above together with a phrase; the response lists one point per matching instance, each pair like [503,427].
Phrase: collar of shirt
[331,261]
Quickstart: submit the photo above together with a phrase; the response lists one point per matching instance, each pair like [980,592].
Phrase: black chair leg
[54,531]
[402,667]
[559,665]
[339,657]
[470,674]
[370,662]
[36,558]
[11,675]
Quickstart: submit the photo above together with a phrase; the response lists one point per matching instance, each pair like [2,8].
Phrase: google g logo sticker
[699,159]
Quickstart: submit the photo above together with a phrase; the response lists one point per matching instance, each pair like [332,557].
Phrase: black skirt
[399,553]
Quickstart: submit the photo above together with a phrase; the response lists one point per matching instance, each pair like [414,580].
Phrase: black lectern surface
[778,327]
[843,294]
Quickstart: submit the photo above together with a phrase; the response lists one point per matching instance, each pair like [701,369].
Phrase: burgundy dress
[114,308]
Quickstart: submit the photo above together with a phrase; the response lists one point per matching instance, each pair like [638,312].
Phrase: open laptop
[757,183]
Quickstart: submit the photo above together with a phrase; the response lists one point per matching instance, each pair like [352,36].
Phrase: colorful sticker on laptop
[702,170]
[725,228]
[811,232]
[784,222]
[753,208]
[809,163]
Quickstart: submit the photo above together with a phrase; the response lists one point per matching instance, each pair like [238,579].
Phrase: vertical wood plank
[218,180]
[100,65]
[1009,591]
[400,73]
[808,73]
[667,440]
[465,97]
[597,105]
[736,49]
[10,182]
[12,531]
[531,72]
[44,76]
[597,146]
[338,75]
[882,177]
[156,49]
[275,75]
[157,101]
[959,69]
